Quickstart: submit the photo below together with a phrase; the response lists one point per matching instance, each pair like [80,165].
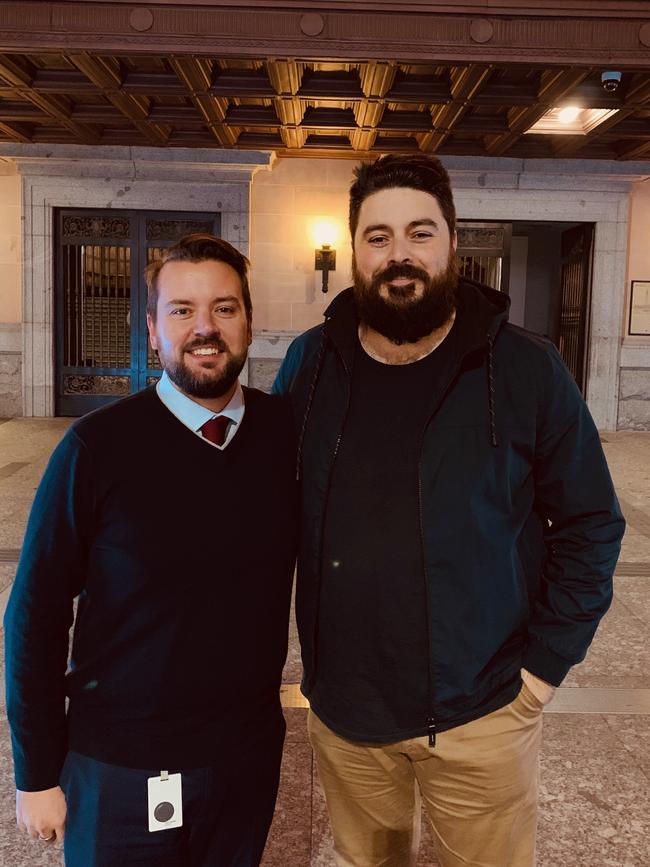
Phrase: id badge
[165,801]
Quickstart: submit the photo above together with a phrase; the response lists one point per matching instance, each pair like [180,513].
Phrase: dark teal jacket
[520,525]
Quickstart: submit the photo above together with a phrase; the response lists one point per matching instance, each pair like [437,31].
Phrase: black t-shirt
[373,652]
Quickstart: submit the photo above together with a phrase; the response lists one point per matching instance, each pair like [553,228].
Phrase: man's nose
[205,323]
[399,253]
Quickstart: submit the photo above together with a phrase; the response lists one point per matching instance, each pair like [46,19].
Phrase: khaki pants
[478,784]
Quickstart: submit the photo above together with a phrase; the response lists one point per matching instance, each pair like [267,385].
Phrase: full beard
[403,317]
[210,383]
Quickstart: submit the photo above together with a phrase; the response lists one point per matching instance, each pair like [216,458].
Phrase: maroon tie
[215,429]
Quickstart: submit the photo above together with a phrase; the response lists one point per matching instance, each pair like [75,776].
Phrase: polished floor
[595,784]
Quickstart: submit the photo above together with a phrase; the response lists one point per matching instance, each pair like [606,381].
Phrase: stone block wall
[634,400]
[11,401]
[286,202]
[11,370]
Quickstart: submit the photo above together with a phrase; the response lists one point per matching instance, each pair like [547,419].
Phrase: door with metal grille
[102,346]
[575,289]
[484,252]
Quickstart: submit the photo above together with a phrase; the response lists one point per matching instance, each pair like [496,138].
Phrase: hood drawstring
[310,399]
[491,399]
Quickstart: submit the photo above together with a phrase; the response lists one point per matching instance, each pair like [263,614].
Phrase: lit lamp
[324,233]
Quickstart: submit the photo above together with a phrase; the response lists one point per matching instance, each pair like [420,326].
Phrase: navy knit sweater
[182,557]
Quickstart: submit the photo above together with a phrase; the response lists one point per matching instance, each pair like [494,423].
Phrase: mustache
[397,270]
[214,342]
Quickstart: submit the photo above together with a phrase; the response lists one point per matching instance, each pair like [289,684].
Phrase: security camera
[610,80]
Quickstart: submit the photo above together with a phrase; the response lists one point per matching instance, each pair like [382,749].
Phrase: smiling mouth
[204,352]
[401,281]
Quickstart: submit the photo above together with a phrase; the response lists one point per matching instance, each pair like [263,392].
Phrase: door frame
[139,374]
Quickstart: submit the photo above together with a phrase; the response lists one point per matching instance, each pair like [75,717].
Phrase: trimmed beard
[403,318]
[205,386]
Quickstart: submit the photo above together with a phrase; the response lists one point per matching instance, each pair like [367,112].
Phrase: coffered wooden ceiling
[307,105]
[314,107]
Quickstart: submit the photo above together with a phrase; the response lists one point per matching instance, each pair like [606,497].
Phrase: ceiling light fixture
[569,113]
[555,122]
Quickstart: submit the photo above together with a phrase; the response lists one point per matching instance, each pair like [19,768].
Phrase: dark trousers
[227,811]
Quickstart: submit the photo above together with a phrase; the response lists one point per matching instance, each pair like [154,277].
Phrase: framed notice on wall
[640,308]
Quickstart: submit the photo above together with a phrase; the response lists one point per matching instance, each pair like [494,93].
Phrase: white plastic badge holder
[165,801]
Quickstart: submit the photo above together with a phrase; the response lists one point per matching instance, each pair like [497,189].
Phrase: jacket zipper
[431,719]
[327,491]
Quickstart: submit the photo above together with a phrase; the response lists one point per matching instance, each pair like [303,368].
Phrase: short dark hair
[199,247]
[417,172]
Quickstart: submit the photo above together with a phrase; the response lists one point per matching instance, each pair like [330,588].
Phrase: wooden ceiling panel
[322,106]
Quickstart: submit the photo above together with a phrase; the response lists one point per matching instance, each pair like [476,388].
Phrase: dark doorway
[575,286]
[550,286]
[102,349]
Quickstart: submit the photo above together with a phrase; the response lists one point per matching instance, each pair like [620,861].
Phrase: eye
[422,235]
[377,240]
[180,311]
[226,310]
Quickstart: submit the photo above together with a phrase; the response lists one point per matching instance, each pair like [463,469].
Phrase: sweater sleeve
[584,527]
[39,614]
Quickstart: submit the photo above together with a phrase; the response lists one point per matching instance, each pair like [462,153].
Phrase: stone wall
[11,370]
[634,399]
[11,401]
[634,390]
[286,204]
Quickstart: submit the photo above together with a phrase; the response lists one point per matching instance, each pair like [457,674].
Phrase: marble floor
[595,783]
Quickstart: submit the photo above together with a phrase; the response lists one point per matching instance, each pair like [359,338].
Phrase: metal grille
[576,278]
[569,340]
[102,342]
[88,384]
[170,231]
[152,357]
[97,287]
[484,253]
[485,269]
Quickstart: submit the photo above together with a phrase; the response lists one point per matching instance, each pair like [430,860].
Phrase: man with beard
[460,532]
[171,516]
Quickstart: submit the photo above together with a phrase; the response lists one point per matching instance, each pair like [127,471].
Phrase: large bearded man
[459,536]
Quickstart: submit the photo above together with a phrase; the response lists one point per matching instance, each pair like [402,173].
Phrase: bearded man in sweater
[460,532]
[171,516]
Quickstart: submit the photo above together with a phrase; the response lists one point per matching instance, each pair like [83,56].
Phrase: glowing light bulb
[568,114]
[324,231]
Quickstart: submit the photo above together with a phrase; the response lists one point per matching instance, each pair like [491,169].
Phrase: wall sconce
[325,261]
[324,233]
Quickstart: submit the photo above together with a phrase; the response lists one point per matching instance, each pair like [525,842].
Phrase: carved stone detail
[644,34]
[312,24]
[542,37]
[141,19]
[481,30]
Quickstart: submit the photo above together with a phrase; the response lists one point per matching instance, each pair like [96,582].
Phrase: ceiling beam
[555,85]
[106,76]
[14,132]
[466,83]
[196,76]
[636,152]
[56,107]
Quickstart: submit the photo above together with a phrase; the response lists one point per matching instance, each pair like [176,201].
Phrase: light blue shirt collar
[193,415]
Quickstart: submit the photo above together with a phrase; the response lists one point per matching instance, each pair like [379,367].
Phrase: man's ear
[454,241]
[151,327]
